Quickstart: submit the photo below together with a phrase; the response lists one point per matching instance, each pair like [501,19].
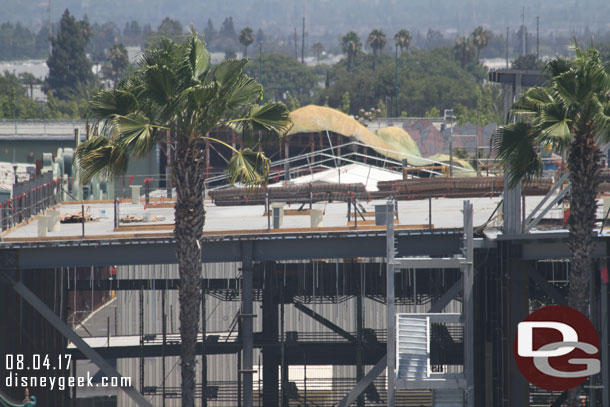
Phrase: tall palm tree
[318,49]
[480,38]
[403,39]
[571,115]
[463,50]
[176,89]
[351,45]
[376,40]
[246,37]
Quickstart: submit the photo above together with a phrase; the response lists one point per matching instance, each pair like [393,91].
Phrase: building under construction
[365,274]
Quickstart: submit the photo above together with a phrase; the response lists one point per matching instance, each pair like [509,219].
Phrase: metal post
[451,150]
[359,365]
[604,331]
[164,343]
[246,321]
[396,97]
[468,278]
[430,212]
[204,358]
[390,306]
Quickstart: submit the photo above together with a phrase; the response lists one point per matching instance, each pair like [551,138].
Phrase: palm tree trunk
[583,164]
[190,218]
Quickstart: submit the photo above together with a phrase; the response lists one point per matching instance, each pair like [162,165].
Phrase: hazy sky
[328,16]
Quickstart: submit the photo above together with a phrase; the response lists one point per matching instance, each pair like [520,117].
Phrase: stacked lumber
[294,193]
[468,187]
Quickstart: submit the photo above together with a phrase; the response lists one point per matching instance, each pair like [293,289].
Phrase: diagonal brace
[330,325]
[364,383]
[81,345]
[446,298]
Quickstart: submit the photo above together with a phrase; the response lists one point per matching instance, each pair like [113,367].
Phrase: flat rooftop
[157,218]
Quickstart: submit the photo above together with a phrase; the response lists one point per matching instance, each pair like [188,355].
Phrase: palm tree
[403,39]
[246,37]
[318,49]
[480,38]
[463,50]
[571,115]
[376,40]
[176,89]
[351,45]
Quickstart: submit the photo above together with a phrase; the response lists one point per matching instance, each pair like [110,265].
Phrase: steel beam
[428,263]
[554,188]
[72,336]
[265,247]
[329,324]
[446,298]
[364,383]
[538,218]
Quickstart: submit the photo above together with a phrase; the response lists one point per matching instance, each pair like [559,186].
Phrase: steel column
[390,306]
[604,344]
[468,279]
[246,324]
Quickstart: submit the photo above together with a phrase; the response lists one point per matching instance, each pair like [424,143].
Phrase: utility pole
[523,52]
[537,37]
[506,47]
[303,43]
[50,30]
[396,97]
[296,50]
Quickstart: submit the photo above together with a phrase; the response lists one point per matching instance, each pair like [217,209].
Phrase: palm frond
[248,167]
[100,156]
[246,91]
[272,116]
[136,134]
[515,146]
[109,103]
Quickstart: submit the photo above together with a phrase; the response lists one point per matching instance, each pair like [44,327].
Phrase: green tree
[480,38]
[570,115]
[116,65]
[29,80]
[246,37]
[345,102]
[528,61]
[284,75]
[432,113]
[175,88]
[376,40]
[69,69]
[403,39]
[317,49]
[381,107]
[171,29]
[351,46]
[464,50]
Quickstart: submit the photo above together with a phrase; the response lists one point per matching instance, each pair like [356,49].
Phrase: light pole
[396,97]
[449,115]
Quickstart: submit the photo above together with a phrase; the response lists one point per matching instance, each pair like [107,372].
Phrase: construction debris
[76,217]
